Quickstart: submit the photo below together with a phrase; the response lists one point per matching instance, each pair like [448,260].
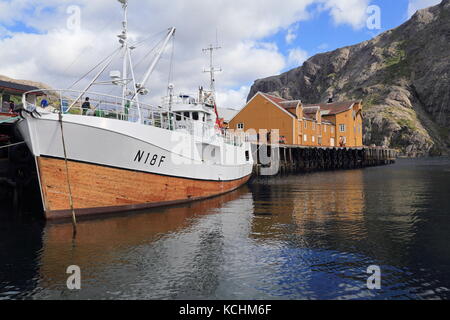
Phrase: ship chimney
[330,99]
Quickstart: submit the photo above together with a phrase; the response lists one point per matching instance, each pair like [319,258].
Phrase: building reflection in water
[310,203]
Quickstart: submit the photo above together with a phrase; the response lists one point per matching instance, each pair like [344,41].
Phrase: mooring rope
[74,219]
[12,145]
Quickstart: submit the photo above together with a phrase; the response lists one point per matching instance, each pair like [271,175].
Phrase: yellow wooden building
[324,124]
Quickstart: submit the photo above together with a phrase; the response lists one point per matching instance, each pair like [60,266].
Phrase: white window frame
[305,138]
[240,126]
[342,128]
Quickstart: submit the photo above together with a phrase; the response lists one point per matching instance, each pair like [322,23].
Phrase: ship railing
[188,98]
[179,99]
[113,107]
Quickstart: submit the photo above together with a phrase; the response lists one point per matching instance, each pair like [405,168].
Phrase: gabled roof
[278,102]
[21,88]
[273,98]
[290,104]
[333,108]
[311,110]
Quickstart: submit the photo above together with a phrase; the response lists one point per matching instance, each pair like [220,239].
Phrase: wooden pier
[283,159]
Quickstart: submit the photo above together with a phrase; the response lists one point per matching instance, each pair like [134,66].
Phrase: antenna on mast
[123,39]
[212,70]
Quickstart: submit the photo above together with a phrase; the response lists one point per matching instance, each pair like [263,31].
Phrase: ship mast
[212,70]
[123,39]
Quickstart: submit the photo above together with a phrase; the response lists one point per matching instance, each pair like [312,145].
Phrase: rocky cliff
[39,85]
[402,76]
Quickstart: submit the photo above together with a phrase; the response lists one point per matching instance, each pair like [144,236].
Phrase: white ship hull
[119,165]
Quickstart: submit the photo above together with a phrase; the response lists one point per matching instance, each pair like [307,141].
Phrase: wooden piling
[297,159]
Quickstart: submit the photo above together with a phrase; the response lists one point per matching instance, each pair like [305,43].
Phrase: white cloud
[351,12]
[296,57]
[58,56]
[231,98]
[415,5]
[291,34]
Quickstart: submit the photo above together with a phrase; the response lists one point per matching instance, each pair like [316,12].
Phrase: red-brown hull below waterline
[99,189]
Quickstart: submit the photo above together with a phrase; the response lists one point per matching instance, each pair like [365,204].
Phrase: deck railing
[113,107]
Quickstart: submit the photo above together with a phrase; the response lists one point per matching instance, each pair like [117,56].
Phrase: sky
[57,41]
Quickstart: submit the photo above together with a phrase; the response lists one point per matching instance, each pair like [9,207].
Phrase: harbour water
[307,236]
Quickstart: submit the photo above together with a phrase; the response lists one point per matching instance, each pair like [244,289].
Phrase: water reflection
[20,246]
[297,237]
[311,202]
[139,243]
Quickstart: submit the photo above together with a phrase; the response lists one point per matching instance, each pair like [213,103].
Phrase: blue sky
[260,38]
[321,33]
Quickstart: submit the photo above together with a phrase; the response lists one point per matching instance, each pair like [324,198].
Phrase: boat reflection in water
[117,254]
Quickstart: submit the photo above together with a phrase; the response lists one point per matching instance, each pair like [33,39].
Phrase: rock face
[402,76]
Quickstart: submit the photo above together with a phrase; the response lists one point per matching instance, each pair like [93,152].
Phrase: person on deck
[44,102]
[86,106]
[12,106]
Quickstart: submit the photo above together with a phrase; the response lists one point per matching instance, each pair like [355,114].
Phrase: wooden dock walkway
[281,159]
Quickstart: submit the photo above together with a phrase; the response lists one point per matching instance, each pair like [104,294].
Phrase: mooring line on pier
[74,219]
[12,145]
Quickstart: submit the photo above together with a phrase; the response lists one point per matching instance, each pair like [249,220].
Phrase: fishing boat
[99,153]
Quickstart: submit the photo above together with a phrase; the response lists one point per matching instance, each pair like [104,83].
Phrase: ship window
[247,155]
[195,115]
[186,115]
[178,116]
